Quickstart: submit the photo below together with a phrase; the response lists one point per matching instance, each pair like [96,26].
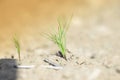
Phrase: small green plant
[59,36]
[17,45]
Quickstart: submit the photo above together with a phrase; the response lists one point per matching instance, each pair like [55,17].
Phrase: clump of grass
[59,36]
[17,45]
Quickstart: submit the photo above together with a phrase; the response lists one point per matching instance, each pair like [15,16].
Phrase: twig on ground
[51,63]
[52,67]
[25,67]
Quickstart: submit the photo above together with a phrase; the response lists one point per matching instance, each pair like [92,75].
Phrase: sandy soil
[93,39]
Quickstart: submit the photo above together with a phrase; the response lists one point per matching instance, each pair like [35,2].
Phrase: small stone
[118,71]
[92,57]
[12,57]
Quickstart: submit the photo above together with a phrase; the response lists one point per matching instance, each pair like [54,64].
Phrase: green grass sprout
[59,36]
[17,45]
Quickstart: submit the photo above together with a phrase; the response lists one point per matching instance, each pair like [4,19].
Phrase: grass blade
[17,45]
[59,36]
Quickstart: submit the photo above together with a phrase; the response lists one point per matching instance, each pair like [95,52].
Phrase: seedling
[59,36]
[17,45]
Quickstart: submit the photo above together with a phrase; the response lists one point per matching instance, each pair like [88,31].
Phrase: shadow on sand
[8,71]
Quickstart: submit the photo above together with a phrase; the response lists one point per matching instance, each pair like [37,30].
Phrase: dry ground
[93,39]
